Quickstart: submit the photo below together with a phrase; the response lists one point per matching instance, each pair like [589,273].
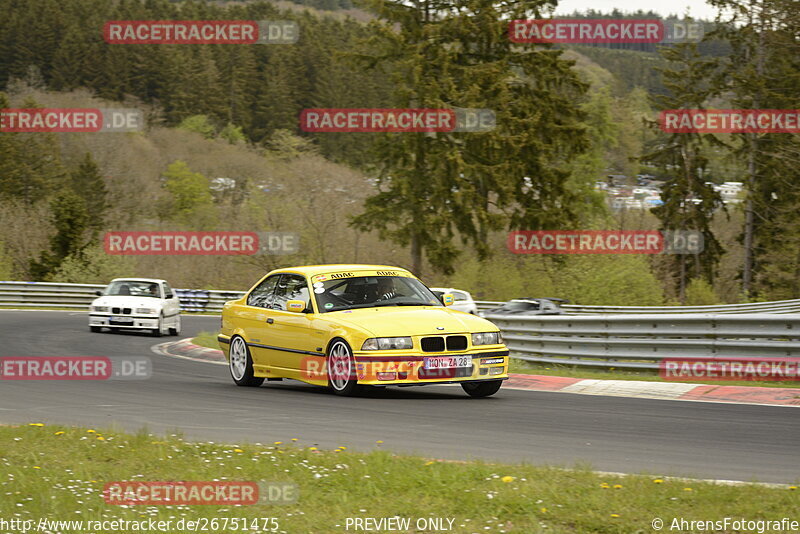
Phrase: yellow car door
[254,318]
[291,333]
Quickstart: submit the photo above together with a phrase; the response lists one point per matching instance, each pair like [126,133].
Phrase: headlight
[145,311]
[102,309]
[487,338]
[387,343]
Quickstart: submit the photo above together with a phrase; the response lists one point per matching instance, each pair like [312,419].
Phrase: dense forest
[568,116]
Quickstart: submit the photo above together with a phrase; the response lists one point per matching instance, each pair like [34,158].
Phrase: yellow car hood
[395,321]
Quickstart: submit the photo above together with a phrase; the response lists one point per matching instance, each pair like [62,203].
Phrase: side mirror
[170,295]
[296,306]
[448,299]
[98,293]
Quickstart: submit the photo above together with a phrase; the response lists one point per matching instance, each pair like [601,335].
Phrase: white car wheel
[341,369]
[241,364]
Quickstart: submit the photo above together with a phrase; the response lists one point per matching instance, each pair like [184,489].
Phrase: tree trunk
[749,219]
[682,282]
[747,269]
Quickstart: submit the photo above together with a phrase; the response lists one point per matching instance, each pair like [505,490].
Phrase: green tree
[198,124]
[689,201]
[30,163]
[75,62]
[192,202]
[436,186]
[71,221]
[613,280]
[88,183]
[232,134]
[91,266]
[762,71]
[700,293]
[589,167]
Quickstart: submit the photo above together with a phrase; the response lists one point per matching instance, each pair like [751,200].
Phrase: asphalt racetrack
[199,400]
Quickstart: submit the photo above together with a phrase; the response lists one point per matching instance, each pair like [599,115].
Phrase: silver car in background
[462,301]
[528,306]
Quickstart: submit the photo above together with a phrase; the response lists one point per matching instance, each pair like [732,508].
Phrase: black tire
[95,329]
[341,368]
[177,330]
[158,332]
[482,389]
[240,364]
[114,330]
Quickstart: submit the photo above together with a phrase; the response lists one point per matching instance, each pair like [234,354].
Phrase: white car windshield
[134,288]
[372,292]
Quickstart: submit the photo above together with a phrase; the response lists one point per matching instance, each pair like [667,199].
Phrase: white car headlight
[101,309]
[387,343]
[487,338]
[146,311]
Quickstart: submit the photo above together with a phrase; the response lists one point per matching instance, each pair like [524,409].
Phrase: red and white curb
[658,390]
[614,388]
[187,350]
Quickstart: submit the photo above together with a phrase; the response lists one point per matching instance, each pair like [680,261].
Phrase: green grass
[59,473]
[206,339]
[533,368]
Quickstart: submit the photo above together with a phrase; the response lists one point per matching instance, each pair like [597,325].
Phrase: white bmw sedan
[136,304]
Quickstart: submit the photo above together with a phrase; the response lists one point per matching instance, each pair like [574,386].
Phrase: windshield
[371,292]
[134,288]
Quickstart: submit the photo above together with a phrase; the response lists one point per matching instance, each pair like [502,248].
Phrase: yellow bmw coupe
[349,326]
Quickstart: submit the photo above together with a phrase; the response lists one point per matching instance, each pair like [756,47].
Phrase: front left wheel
[241,364]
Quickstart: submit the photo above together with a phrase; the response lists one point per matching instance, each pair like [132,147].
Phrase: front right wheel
[482,389]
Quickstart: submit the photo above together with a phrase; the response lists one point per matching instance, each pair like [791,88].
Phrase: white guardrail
[642,341]
[593,336]
[779,306]
[80,296]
